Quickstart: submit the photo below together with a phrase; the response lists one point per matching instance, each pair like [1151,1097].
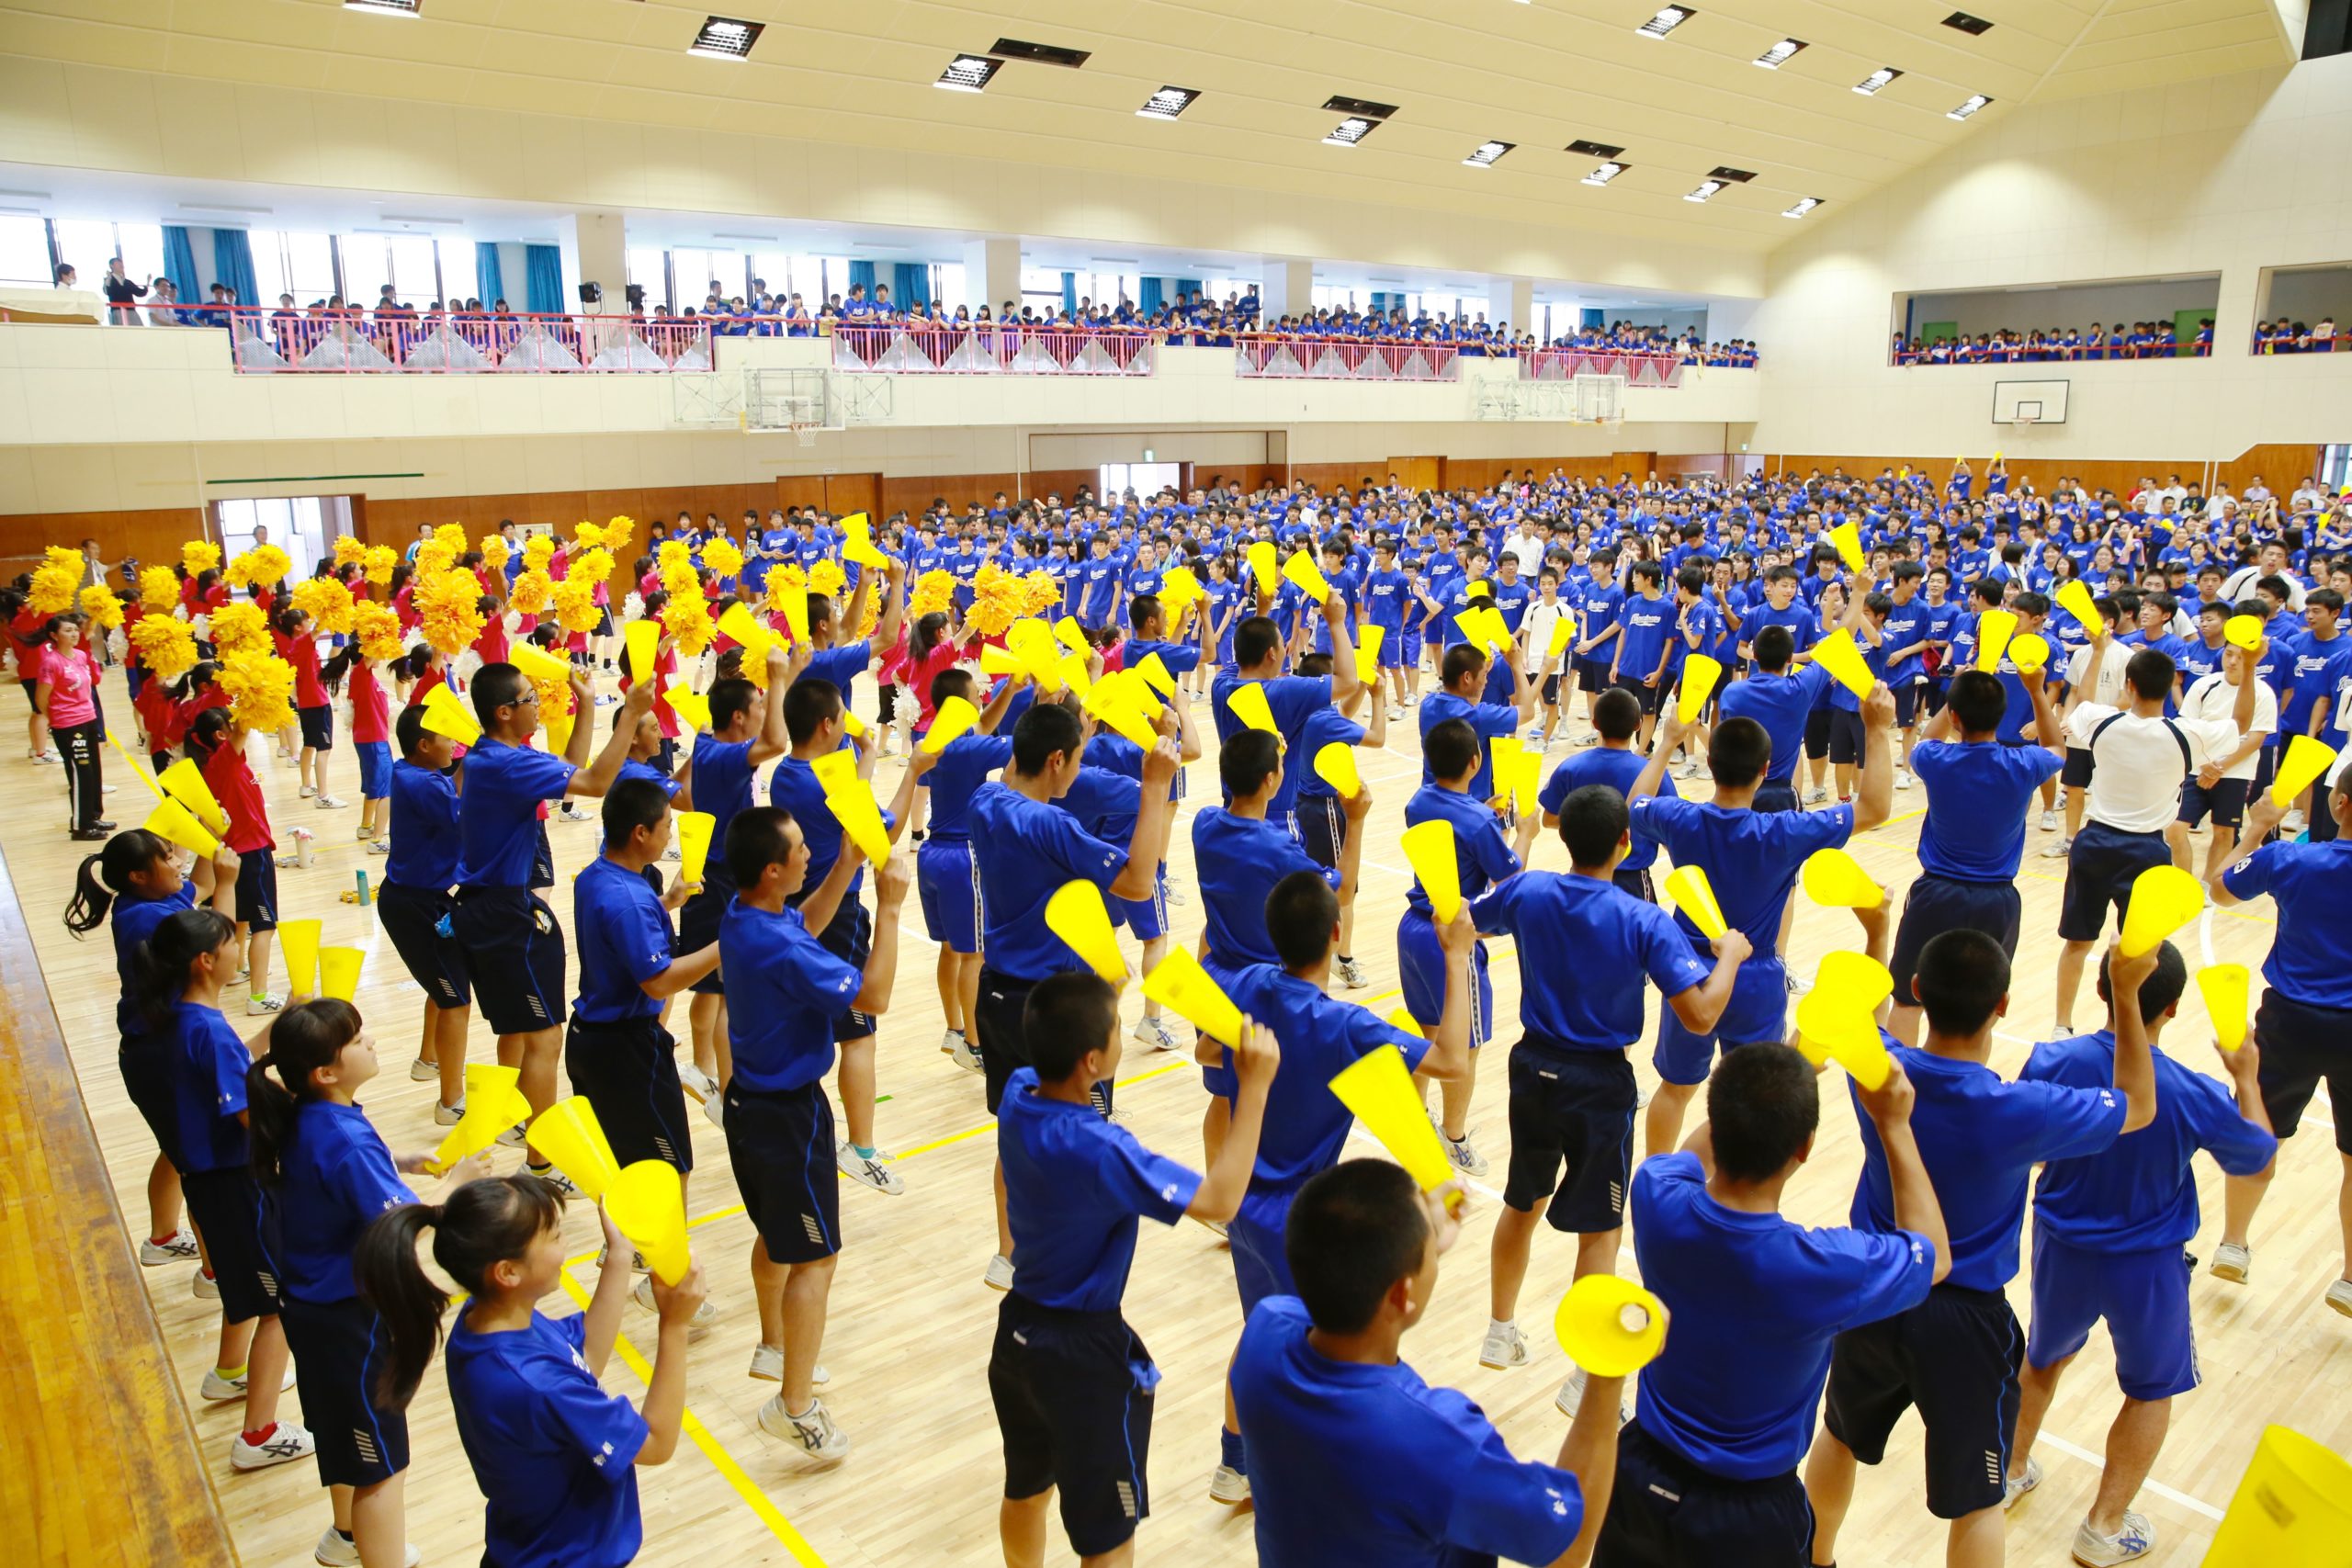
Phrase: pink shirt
[68,679]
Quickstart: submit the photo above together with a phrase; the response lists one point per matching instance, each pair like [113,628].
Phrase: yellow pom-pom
[103,608]
[788,579]
[159,589]
[453,535]
[381,559]
[241,629]
[998,598]
[448,604]
[56,582]
[537,551]
[377,630]
[199,555]
[325,600]
[166,645]
[260,687]
[828,578]
[263,565]
[349,549]
[618,533]
[575,603]
[934,592]
[494,551]
[1040,591]
[723,558]
[531,591]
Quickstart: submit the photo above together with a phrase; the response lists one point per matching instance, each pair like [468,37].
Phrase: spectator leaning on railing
[2142,339]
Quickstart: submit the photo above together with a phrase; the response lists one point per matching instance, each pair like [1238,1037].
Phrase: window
[648,268]
[300,265]
[1146,479]
[85,247]
[454,259]
[24,252]
[367,268]
[295,525]
[947,285]
[1330,299]
[696,271]
[1041,290]
[416,272]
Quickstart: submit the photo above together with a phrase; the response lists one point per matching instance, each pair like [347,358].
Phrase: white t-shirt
[2141,763]
[2212,698]
[2110,675]
[1529,548]
[1537,623]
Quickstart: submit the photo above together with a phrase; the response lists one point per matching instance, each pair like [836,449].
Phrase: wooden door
[793,490]
[846,493]
[1641,465]
[1418,473]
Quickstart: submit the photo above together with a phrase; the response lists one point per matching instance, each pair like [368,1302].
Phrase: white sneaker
[572,813]
[2339,1297]
[812,1430]
[1796,983]
[1815,797]
[512,1138]
[1395,711]
[1689,770]
[1229,1485]
[868,1172]
[1153,1033]
[1590,738]
[329,803]
[564,1186]
[380,846]
[1350,975]
[713,1110]
[423,1071]
[307,790]
[108,789]
[1176,895]
[767,1365]
[177,1247]
[262,1006]
[2056,848]
[673,853]
[336,1552]
[2049,821]
[1465,1158]
[1571,1394]
[221,1390]
[2135,1540]
[2231,1262]
[697,1082]
[286,1443]
[705,1315]
[2015,1487]
[949,1038]
[1902,778]
[448,1115]
[1505,1347]
[203,1286]
[1000,1274]
[2292,823]
[967,1055]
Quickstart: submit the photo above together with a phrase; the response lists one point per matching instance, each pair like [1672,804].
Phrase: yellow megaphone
[183,781]
[1156,673]
[559,728]
[834,769]
[1564,632]
[2164,899]
[1178,587]
[995,660]
[1831,1029]
[1335,765]
[647,1204]
[949,724]
[176,822]
[737,624]
[1609,1326]
[1429,850]
[1368,640]
[494,1103]
[1836,880]
[339,972]
[2225,987]
[1379,1089]
[2074,597]
[794,603]
[1072,669]
[2028,652]
[1179,983]
[859,547]
[1700,675]
[2305,760]
[537,665]
[2246,631]
[1301,569]
[694,709]
[1248,704]
[137,772]
[1838,654]
[1527,789]
[1994,629]
[860,816]
[567,1135]
[2293,1507]
[1402,1020]
[1108,701]
[1263,566]
[1070,635]
[1847,538]
[1077,914]
[297,942]
[642,639]
[1688,889]
[445,714]
[694,829]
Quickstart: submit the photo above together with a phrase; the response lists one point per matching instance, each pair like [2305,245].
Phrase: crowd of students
[2156,718]
[2037,345]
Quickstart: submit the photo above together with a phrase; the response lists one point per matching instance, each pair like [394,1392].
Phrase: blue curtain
[489,282]
[910,284]
[543,279]
[232,263]
[861,275]
[179,266]
[1070,293]
[1593,317]
[1188,286]
[1148,296]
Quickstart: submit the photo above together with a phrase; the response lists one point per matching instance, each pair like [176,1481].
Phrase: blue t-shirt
[1751,858]
[2307,881]
[963,765]
[554,1454]
[1493,721]
[1616,766]
[1306,1125]
[839,665]
[1647,622]
[784,991]
[1756,1301]
[1238,860]
[1075,1185]
[204,1065]
[1779,703]
[1024,850]
[1359,1466]
[1980,1138]
[498,814]
[2140,1192]
[623,936]
[793,786]
[1324,725]
[336,1177]
[131,922]
[1977,792]
[1291,699]
[423,830]
[1571,929]
[1482,855]
[722,784]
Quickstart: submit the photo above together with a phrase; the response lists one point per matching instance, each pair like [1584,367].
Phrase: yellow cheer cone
[1178,587]
[559,728]
[1700,675]
[2029,652]
[1994,629]
[1847,538]
[1248,704]
[1072,669]
[339,972]
[1368,640]
[536,663]
[1429,850]
[137,772]
[2164,899]
[1527,790]
[949,724]
[642,638]
[1335,765]
[1179,983]
[1077,914]
[494,1103]
[1379,1089]
[694,709]
[1688,889]
[834,769]
[176,822]
[1402,1020]
[2246,631]
[2225,987]
[1070,635]
[795,606]
[1611,1327]
[739,625]
[1838,654]
[297,942]
[1564,632]
[183,781]
[647,1204]
[570,1138]
[446,713]
[1155,671]
[1830,1029]
[2305,760]
[1301,569]
[694,829]
[2293,1506]
[995,660]
[860,816]
[1835,879]
[1262,565]
[1856,976]
[2074,598]
[1110,704]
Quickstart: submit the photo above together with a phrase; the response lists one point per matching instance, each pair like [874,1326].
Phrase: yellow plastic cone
[137,772]
[2164,899]
[1156,673]
[694,829]
[739,625]
[446,713]
[1178,587]
[1838,654]
[1994,629]
[834,769]
[1493,630]
[1179,983]
[1301,569]
[183,781]
[2305,760]
[642,638]
[1402,1020]
[795,606]
[1564,632]
[536,663]
[1070,635]
[2293,1507]
[1831,1029]
[570,1138]
[694,709]
[1379,1089]
[1856,976]
[995,660]
[1335,765]
[1610,1327]
[339,972]
[647,1204]
[1688,889]
[1248,704]
[1847,538]
[860,816]
[858,547]
[1429,850]
[1077,914]
[2225,987]
[2029,652]
[1109,702]
[298,942]
[494,1103]
[1700,675]
[1368,640]
[947,725]
[1072,668]
[559,728]
[1835,879]
[2246,631]
[1262,565]
[2074,598]
[176,822]
[1526,791]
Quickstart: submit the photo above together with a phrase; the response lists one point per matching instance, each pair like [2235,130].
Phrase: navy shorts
[1147,918]
[1775,794]
[1938,904]
[2225,801]
[627,1070]
[1645,695]
[1073,1397]
[1592,675]
[515,956]
[1956,1357]
[2300,1045]
[1906,706]
[1420,959]
[698,922]
[318,727]
[1816,734]
[1255,1234]
[849,938]
[1666,1512]
[2100,868]
[1759,1011]
[339,1351]
[2144,1297]
[375,768]
[257,888]
[1845,737]
[780,1145]
[412,916]
[2076,773]
[949,888]
[225,1207]
[1577,1107]
[1636,883]
[1323,828]
[997,1029]
[1392,649]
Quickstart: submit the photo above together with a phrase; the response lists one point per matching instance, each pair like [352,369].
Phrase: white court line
[2194,1504]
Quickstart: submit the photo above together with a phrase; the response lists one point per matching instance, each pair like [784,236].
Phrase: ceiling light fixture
[1665,21]
[1877,81]
[1725,172]
[1168,103]
[1039,53]
[1780,53]
[1707,188]
[724,38]
[1801,207]
[386,7]
[1976,101]
[1974,27]
[969,73]
[1486,153]
[1349,131]
[1607,171]
[1594,149]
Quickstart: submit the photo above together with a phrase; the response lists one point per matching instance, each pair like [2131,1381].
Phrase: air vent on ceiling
[1349,131]
[1801,207]
[1707,188]
[1486,153]
[1725,172]
[1780,53]
[1668,18]
[1361,109]
[1877,81]
[1039,53]
[386,7]
[1168,103]
[1607,171]
[969,73]
[1974,27]
[1974,101]
[1594,149]
[724,38]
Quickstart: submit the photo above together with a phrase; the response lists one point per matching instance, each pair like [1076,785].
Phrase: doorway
[304,526]
[1146,479]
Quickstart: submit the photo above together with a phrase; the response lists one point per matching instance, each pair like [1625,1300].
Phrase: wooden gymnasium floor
[911,1321]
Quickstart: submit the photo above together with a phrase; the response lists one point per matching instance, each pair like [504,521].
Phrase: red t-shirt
[239,793]
[161,714]
[492,644]
[26,641]
[372,706]
[302,652]
[424,684]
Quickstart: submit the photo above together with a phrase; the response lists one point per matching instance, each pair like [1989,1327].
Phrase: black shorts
[1636,883]
[2100,866]
[1956,1357]
[1906,706]
[318,727]
[849,938]
[780,1144]
[1647,696]
[147,1080]
[1666,1512]
[513,955]
[28,687]
[412,916]
[604,621]
[698,922]
[1073,1397]
[339,1348]
[2300,1045]
[1552,690]
[1845,737]
[2076,773]
[2225,800]
[1592,675]
[1576,1106]
[1323,827]
[629,1074]
[1816,734]
[1776,794]
[1937,694]
[996,1030]
[225,1207]
[1938,904]
[257,888]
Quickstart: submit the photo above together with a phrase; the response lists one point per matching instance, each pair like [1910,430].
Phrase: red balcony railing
[990,348]
[1283,357]
[1567,363]
[323,341]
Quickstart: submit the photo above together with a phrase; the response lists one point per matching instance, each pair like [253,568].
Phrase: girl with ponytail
[216,742]
[190,1066]
[136,879]
[324,1176]
[554,1455]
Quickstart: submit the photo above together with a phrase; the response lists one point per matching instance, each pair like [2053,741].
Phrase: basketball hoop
[2024,420]
[804,433]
